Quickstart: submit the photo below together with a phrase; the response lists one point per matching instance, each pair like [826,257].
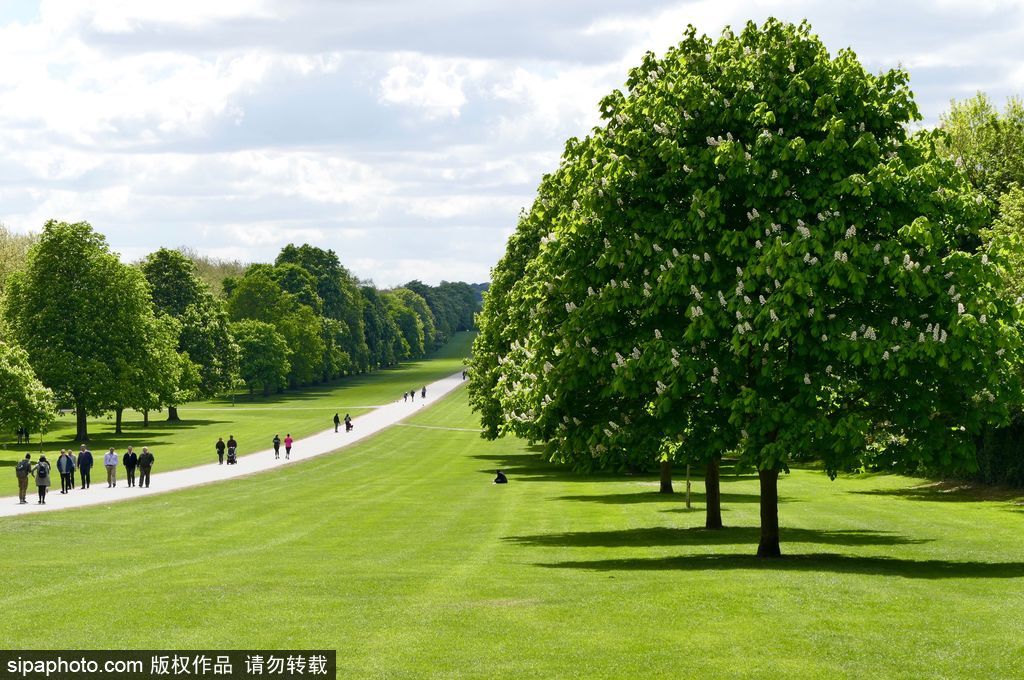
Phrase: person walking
[412,395]
[42,473]
[277,446]
[288,446]
[146,461]
[348,423]
[337,422]
[71,470]
[405,396]
[85,465]
[131,461]
[424,392]
[63,461]
[220,450]
[110,462]
[23,470]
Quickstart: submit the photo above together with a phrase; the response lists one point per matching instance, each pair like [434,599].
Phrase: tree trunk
[145,418]
[666,476]
[172,414]
[769,546]
[119,411]
[266,390]
[81,422]
[713,495]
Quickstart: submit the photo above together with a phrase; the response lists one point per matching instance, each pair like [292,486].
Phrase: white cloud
[407,136]
[433,85]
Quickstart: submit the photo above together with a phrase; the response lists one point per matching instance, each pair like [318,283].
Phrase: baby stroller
[232,457]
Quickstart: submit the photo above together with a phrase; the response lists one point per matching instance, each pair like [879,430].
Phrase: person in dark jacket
[130,462]
[63,465]
[501,478]
[337,422]
[232,444]
[85,465]
[146,461]
[42,473]
[423,393]
[71,470]
[277,446]
[220,449]
[412,395]
[348,423]
[23,470]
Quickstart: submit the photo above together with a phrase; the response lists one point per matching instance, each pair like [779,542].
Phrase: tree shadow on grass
[653,496]
[952,491]
[821,562]
[533,467]
[697,536]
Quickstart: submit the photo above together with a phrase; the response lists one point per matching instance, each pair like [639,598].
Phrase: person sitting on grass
[501,478]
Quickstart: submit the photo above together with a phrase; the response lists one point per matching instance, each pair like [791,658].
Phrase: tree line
[85,331]
[754,257]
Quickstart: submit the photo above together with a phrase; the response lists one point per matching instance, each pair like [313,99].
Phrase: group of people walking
[411,394]
[68,464]
[142,463]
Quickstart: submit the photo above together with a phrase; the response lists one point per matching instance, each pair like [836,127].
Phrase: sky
[404,135]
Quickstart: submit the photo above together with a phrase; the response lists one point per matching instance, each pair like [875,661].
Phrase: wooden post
[687,486]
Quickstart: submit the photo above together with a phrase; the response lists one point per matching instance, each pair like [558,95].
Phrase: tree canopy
[751,255]
[75,309]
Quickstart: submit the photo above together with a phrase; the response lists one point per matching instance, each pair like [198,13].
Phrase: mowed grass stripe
[401,554]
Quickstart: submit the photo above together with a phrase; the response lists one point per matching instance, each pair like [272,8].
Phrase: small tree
[263,355]
[24,401]
[209,357]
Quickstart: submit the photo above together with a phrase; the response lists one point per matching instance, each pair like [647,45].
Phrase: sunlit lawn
[401,554]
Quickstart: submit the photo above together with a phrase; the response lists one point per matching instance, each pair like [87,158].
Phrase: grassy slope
[402,555]
[253,423]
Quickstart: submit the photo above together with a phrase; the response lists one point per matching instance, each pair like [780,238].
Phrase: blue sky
[405,135]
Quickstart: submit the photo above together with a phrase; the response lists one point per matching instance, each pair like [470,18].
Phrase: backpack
[43,470]
[23,468]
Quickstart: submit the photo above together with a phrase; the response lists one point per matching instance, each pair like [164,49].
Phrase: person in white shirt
[110,462]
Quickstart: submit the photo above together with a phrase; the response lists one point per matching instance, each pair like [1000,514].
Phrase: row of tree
[753,257]
[84,330]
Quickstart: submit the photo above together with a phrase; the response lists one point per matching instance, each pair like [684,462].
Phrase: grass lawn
[400,553]
[253,423]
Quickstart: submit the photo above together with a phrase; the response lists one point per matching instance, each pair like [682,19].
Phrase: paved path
[162,482]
